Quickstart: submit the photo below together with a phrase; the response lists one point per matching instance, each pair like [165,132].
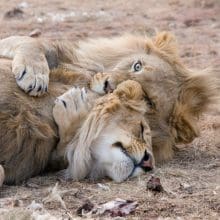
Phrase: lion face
[123,148]
[175,95]
[115,139]
[159,81]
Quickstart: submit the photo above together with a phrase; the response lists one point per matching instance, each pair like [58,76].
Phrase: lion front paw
[70,107]
[31,75]
[100,84]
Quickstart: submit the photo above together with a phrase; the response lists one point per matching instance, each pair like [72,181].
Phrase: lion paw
[32,76]
[70,106]
[100,84]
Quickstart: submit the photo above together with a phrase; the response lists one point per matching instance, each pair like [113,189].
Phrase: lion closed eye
[114,139]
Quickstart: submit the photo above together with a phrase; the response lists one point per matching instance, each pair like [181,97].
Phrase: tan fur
[28,133]
[173,111]
[176,95]
[29,137]
[120,113]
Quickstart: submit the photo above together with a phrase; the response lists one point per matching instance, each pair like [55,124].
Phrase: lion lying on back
[175,96]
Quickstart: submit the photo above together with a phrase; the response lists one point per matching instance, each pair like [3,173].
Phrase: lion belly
[28,133]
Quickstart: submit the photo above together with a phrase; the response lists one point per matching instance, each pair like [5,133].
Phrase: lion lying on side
[100,141]
[175,95]
[113,138]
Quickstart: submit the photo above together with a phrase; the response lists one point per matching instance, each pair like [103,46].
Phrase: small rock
[103,187]
[10,202]
[35,206]
[17,203]
[154,184]
[35,33]
[85,208]
[191,22]
[23,5]
[186,187]
[31,185]
[14,13]
[213,52]
[208,4]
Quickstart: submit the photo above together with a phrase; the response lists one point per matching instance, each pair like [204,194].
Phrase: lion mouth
[146,164]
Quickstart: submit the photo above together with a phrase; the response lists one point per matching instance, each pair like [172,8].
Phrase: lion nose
[147,162]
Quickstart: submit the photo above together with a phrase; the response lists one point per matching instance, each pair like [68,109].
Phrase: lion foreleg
[69,113]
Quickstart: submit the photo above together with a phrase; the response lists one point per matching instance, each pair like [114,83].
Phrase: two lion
[171,98]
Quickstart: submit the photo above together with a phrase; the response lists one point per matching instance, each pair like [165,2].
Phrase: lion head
[175,95]
[115,139]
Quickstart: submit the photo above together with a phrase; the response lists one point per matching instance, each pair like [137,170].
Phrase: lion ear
[129,90]
[131,96]
[166,42]
[197,93]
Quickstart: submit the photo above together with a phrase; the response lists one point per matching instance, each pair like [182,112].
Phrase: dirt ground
[191,180]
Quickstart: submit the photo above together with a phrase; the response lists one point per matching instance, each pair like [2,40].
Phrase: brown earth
[191,180]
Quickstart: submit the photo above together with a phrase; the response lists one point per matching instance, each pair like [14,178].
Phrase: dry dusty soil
[191,180]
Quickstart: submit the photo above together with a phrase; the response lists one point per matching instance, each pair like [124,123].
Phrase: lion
[35,133]
[113,140]
[175,95]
